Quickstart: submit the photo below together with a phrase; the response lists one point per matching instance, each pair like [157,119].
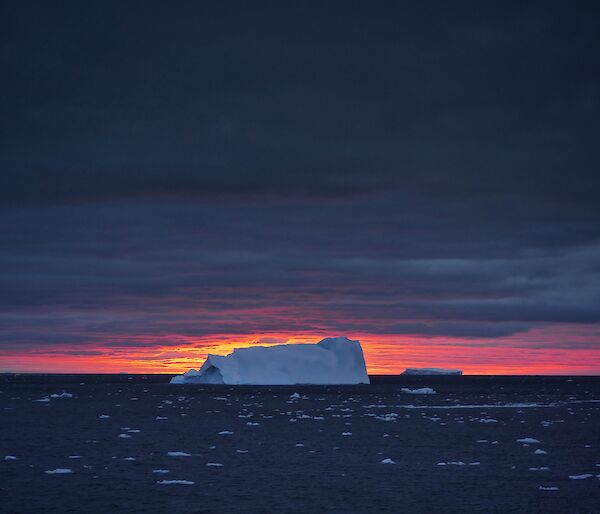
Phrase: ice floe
[528,440]
[420,390]
[61,395]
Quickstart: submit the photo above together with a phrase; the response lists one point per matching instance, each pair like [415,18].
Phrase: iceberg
[431,371]
[334,360]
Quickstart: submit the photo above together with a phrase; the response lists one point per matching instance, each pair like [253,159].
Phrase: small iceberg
[421,390]
[431,371]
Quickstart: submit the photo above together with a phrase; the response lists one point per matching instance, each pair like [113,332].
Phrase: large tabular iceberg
[335,360]
[431,371]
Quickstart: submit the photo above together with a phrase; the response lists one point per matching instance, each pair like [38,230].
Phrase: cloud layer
[175,176]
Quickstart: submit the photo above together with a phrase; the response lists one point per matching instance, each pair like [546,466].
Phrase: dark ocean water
[321,452]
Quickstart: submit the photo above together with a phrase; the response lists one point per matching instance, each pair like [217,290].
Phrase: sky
[185,178]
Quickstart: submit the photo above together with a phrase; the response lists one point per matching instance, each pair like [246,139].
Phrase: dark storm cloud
[191,170]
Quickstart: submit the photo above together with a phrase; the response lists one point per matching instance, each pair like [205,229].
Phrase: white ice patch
[331,361]
[581,477]
[58,471]
[458,463]
[421,390]
[528,440]
[161,471]
[388,461]
[61,395]
[179,454]
[175,482]
[10,457]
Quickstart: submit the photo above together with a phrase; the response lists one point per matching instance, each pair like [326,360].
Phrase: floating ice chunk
[179,454]
[540,452]
[581,477]
[548,488]
[61,395]
[42,400]
[161,471]
[331,361]
[528,440]
[58,471]
[129,458]
[295,396]
[104,416]
[388,461]
[226,432]
[346,433]
[10,457]
[421,390]
[161,417]
[241,451]
[431,371]
[75,457]
[214,464]
[175,482]
[124,436]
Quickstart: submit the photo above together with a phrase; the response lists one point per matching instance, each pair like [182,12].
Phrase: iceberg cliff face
[431,371]
[335,360]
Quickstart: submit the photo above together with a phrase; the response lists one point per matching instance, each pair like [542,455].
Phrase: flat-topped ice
[335,360]
[431,371]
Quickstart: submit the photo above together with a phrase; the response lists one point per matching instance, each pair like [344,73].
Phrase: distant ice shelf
[334,360]
[431,371]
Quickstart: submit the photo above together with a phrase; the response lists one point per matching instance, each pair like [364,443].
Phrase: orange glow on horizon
[384,354]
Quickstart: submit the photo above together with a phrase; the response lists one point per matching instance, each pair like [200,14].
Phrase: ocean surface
[134,443]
